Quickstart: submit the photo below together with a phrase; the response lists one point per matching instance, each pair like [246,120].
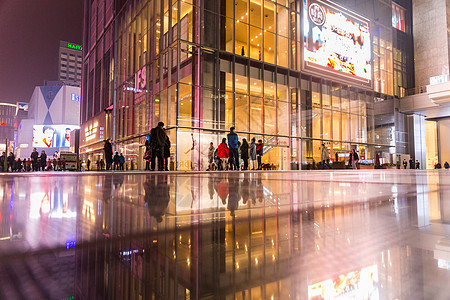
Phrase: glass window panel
[337,126]
[336,96]
[241,85]
[255,42]
[345,100]
[326,95]
[355,136]
[255,13]
[316,123]
[242,112]
[241,10]
[363,129]
[255,114]
[283,118]
[241,36]
[269,47]
[315,94]
[282,92]
[228,110]
[269,116]
[282,51]
[255,82]
[209,104]
[283,21]
[185,117]
[345,127]
[326,133]
[229,34]
[269,16]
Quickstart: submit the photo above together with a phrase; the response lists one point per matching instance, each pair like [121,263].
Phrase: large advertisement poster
[361,284]
[336,41]
[52,136]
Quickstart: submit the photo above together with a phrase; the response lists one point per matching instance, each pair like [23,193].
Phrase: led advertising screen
[336,41]
[360,284]
[52,136]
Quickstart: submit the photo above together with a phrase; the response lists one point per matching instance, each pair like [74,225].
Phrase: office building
[70,63]
[53,112]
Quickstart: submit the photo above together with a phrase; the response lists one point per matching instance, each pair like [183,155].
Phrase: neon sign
[75,97]
[140,80]
[74,46]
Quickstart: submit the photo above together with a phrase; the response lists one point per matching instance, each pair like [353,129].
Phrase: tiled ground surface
[378,234]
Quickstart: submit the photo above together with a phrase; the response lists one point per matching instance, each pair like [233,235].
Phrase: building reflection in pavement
[242,237]
[224,236]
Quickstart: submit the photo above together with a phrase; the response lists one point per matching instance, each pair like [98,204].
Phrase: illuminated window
[398,17]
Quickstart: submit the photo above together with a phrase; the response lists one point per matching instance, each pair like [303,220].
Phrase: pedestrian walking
[157,142]
[3,164]
[223,153]
[446,165]
[405,164]
[34,160]
[121,162]
[10,161]
[259,153]
[211,151]
[116,161]
[411,163]
[88,164]
[325,157]
[253,153]
[108,153]
[43,159]
[233,147]
[244,153]
[167,145]
[353,159]
[147,154]
[29,166]
[417,164]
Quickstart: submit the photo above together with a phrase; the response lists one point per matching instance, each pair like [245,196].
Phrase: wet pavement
[376,234]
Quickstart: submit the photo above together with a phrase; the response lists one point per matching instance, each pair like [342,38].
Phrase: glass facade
[204,66]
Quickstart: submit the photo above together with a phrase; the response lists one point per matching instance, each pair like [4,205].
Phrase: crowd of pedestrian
[231,151]
[34,163]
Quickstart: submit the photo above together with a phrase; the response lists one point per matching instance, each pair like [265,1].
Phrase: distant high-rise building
[70,61]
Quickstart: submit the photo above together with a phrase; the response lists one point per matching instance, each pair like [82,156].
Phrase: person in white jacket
[325,156]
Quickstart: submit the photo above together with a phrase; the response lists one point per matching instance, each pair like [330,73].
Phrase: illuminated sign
[336,42]
[51,136]
[74,46]
[75,97]
[90,132]
[140,80]
[360,284]
[22,106]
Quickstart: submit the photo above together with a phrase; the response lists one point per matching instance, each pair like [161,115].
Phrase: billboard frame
[338,76]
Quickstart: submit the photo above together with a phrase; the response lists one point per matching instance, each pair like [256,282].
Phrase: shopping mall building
[294,73]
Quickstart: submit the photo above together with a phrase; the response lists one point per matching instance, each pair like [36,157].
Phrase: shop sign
[140,80]
[91,132]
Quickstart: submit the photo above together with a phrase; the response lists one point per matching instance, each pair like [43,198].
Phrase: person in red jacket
[222,152]
[259,153]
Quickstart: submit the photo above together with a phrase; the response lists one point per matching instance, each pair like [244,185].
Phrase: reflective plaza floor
[375,234]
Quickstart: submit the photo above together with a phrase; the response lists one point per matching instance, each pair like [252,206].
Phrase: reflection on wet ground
[279,235]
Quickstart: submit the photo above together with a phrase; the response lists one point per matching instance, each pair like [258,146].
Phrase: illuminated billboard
[336,41]
[52,136]
[360,284]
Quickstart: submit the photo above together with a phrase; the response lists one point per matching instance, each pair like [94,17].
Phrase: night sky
[30,31]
